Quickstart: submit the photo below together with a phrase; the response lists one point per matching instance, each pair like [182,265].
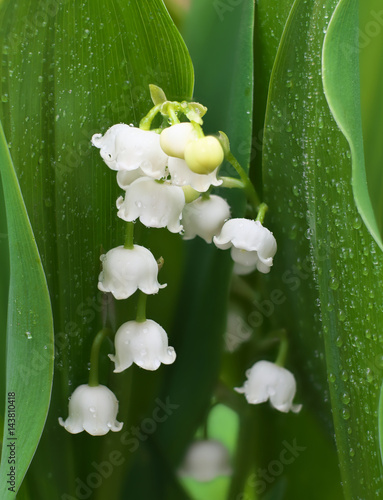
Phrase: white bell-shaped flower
[206,460]
[126,177]
[174,139]
[126,270]
[144,343]
[268,381]
[123,147]
[92,409]
[242,270]
[205,217]
[155,204]
[252,245]
[181,175]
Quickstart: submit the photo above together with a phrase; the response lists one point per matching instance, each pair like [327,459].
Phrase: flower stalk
[94,356]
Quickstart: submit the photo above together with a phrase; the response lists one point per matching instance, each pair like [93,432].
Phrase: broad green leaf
[371,73]
[328,265]
[70,70]
[29,346]
[340,57]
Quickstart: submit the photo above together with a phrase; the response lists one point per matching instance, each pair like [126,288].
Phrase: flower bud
[173,140]
[204,155]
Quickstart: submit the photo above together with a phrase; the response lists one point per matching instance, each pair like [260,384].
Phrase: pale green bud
[204,155]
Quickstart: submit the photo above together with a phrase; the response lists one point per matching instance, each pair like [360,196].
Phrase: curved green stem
[231,182]
[129,236]
[198,129]
[141,307]
[94,355]
[173,116]
[248,186]
[146,121]
[263,208]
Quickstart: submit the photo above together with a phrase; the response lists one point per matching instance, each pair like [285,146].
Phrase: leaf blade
[29,335]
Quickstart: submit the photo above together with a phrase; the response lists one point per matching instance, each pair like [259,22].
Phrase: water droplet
[346,413]
[28,335]
[339,342]
[352,452]
[332,377]
[357,223]
[369,376]
[344,375]
[341,315]
[346,398]
[288,127]
[334,284]
[4,98]
[40,79]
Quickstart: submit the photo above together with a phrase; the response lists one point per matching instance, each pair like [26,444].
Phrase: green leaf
[340,58]
[328,265]
[29,353]
[72,69]
[371,73]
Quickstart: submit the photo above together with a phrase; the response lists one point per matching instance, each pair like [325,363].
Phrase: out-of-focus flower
[155,204]
[123,147]
[252,245]
[206,460]
[92,409]
[144,343]
[205,217]
[126,270]
[237,330]
[268,381]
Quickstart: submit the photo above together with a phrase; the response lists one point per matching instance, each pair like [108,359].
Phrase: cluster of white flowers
[167,176]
